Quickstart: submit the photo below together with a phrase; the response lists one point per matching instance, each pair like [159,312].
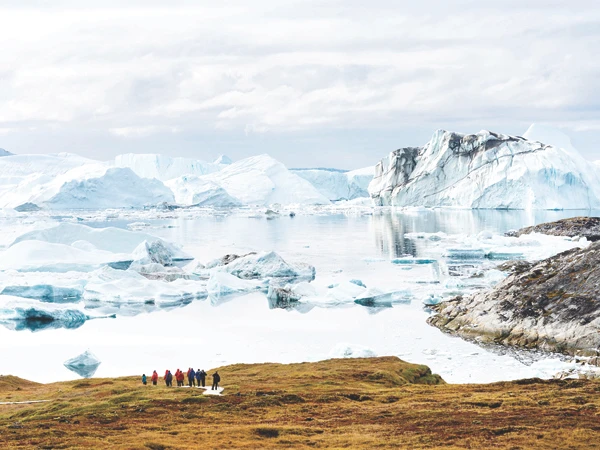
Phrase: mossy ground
[350,403]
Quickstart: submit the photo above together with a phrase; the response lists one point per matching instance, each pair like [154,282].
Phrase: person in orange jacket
[154,378]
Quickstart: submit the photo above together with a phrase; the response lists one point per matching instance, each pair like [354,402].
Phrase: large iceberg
[5,152]
[164,167]
[197,191]
[84,365]
[262,180]
[339,185]
[35,178]
[116,188]
[486,170]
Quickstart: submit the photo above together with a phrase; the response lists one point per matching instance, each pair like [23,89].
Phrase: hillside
[350,403]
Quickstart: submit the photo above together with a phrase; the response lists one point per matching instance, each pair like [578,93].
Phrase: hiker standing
[166,377]
[198,377]
[169,378]
[216,379]
[192,377]
[154,378]
[203,376]
[144,381]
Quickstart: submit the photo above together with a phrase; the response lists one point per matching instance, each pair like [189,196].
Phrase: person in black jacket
[201,375]
[216,380]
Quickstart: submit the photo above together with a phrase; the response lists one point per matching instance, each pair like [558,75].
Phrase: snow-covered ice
[487,170]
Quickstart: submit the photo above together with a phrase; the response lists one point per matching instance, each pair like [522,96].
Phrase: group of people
[194,377]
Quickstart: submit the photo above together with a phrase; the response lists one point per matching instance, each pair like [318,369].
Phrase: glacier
[339,185]
[486,170]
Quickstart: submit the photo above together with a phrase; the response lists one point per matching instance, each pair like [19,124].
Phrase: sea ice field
[145,290]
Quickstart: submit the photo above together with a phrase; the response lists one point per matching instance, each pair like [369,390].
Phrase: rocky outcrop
[485,170]
[552,306]
[588,227]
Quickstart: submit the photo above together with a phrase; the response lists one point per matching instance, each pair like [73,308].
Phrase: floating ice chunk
[344,350]
[282,297]
[126,288]
[345,292]
[270,214]
[503,255]
[267,265]
[304,289]
[45,293]
[411,260]
[27,207]
[358,283]
[374,297]
[222,284]
[464,253]
[431,300]
[485,235]
[153,252]
[84,365]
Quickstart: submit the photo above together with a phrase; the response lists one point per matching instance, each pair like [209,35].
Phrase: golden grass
[349,403]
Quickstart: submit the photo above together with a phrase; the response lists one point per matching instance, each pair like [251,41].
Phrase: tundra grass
[349,403]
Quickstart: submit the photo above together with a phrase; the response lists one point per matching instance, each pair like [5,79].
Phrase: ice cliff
[339,185]
[487,170]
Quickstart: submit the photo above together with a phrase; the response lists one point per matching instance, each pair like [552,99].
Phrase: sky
[314,83]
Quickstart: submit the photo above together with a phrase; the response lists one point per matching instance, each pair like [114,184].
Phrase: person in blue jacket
[144,379]
[192,377]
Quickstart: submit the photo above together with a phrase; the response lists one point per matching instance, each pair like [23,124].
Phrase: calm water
[244,329]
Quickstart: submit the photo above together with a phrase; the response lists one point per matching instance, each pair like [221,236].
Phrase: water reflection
[389,227]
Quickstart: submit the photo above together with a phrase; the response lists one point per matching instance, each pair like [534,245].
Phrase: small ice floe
[84,365]
[345,350]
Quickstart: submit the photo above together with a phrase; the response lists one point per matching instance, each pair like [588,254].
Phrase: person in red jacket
[154,378]
[180,376]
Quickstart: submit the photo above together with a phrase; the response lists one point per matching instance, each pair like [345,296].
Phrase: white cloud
[272,67]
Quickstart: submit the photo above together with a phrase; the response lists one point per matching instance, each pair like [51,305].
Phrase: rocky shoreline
[552,305]
[588,227]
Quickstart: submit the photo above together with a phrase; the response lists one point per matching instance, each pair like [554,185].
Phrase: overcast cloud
[313,83]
